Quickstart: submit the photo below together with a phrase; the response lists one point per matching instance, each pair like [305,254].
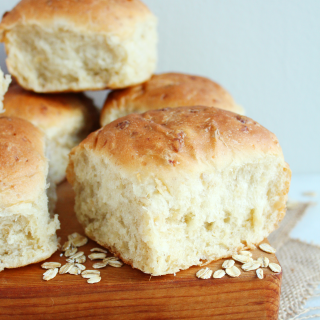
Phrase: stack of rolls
[56,48]
[176,176]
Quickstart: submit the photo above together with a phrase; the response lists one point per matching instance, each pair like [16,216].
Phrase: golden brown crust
[50,110]
[102,16]
[23,166]
[168,90]
[185,137]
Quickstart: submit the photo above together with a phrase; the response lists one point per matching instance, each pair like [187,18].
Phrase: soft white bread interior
[66,119]
[78,45]
[172,188]
[27,230]
[167,90]
[4,84]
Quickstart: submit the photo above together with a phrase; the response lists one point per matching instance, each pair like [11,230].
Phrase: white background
[266,53]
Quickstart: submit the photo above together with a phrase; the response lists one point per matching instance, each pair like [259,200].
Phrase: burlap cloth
[300,262]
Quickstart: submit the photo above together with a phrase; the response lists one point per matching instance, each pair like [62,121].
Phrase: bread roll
[66,119]
[171,188]
[4,84]
[78,45]
[167,90]
[27,232]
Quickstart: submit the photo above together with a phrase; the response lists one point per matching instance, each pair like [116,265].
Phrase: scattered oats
[67,245]
[77,255]
[98,250]
[264,262]
[61,254]
[275,267]
[70,260]
[309,194]
[74,270]
[66,268]
[81,259]
[70,252]
[51,265]
[94,279]
[73,236]
[219,273]
[106,260]
[241,258]
[50,274]
[77,239]
[115,264]
[228,264]
[79,242]
[80,266]
[249,266]
[204,273]
[259,273]
[99,265]
[245,253]
[95,256]
[90,273]
[88,276]
[267,248]
[233,272]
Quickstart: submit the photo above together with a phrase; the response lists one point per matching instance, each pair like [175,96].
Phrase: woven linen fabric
[300,262]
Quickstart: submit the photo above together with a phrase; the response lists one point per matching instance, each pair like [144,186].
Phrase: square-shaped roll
[77,45]
[171,188]
[65,119]
[27,229]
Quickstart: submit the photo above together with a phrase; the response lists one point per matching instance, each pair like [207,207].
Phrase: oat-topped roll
[27,230]
[66,119]
[172,188]
[167,90]
[77,45]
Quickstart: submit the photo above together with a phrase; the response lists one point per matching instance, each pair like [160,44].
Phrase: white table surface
[308,229]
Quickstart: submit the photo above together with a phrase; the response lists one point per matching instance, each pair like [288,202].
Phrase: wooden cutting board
[126,293]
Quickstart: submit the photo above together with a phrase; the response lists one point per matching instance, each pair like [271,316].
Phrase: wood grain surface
[126,293]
